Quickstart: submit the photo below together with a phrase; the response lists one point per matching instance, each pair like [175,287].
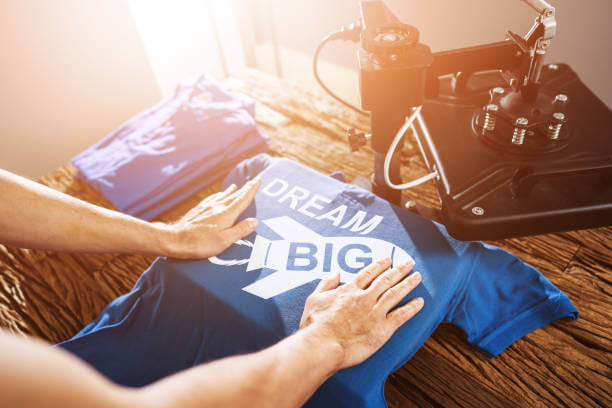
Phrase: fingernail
[409,263]
[253,223]
[419,302]
[416,276]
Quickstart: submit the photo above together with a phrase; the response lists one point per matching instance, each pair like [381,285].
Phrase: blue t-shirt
[181,313]
[171,150]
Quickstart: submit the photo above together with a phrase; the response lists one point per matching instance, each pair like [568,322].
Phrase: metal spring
[554,130]
[489,122]
[489,119]
[519,136]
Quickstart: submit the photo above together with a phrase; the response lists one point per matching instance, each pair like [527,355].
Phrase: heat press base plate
[489,193]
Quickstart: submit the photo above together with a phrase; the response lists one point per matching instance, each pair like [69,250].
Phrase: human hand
[356,316]
[208,228]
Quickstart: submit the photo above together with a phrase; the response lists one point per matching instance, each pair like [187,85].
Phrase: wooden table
[52,295]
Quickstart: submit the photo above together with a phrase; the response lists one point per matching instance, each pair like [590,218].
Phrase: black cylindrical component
[384,126]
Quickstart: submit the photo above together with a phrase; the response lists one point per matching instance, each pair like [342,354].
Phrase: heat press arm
[539,36]
[534,44]
[542,7]
[522,57]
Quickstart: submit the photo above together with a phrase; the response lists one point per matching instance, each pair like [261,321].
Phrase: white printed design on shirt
[303,256]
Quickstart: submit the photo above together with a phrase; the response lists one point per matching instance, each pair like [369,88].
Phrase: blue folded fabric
[182,313]
[168,152]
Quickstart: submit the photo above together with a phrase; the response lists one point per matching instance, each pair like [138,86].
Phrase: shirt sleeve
[504,299]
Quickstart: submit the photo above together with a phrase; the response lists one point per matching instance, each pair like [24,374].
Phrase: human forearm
[284,375]
[34,375]
[35,216]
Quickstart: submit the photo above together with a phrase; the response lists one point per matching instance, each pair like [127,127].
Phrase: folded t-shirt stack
[182,313]
[170,151]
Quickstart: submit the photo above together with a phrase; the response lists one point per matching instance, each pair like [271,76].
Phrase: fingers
[238,231]
[370,272]
[216,197]
[394,295]
[223,194]
[388,279]
[404,313]
[242,198]
[329,283]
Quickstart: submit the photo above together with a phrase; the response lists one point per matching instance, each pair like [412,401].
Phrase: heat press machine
[514,146]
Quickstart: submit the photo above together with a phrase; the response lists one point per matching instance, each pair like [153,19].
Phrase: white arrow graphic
[303,256]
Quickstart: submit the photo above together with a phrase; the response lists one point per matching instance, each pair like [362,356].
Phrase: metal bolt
[389,37]
[561,98]
[553,67]
[554,128]
[559,116]
[518,137]
[477,210]
[489,119]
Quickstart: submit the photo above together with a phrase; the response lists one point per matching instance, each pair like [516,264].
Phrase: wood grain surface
[52,295]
